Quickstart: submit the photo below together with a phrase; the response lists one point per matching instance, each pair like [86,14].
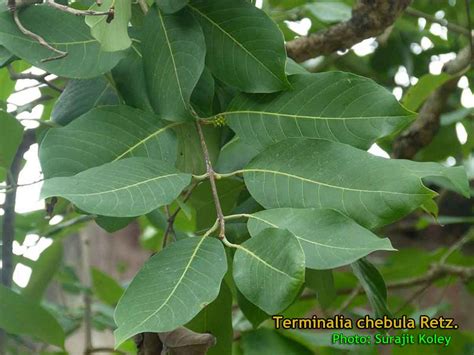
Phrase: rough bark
[369,18]
[423,130]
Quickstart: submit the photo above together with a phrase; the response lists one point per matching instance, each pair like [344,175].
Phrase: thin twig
[435,273]
[9,188]
[28,107]
[105,350]
[357,290]
[77,12]
[72,222]
[172,217]
[458,245]
[469,27]
[212,179]
[39,39]
[143,5]
[41,78]
[169,228]
[86,278]
[8,225]
[414,296]
[443,22]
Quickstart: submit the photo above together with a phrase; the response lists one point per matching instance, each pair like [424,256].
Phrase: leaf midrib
[121,188]
[239,246]
[288,115]
[307,240]
[185,270]
[235,41]
[146,139]
[175,69]
[276,172]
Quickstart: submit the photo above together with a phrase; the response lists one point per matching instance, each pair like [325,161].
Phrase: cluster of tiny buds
[219,121]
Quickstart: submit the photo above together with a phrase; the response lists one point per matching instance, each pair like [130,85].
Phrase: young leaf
[172,287]
[318,173]
[273,258]
[374,286]
[171,6]
[328,238]
[11,133]
[337,106]
[85,58]
[125,188]
[245,48]
[173,57]
[18,315]
[43,271]
[80,96]
[418,93]
[105,288]
[113,35]
[104,135]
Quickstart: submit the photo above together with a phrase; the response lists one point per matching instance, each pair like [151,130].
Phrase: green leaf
[216,318]
[5,57]
[43,270]
[269,342]
[85,58]
[129,78]
[113,224]
[273,258]
[189,160]
[104,135]
[130,82]
[374,286]
[18,315]
[173,50]
[6,89]
[11,133]
[418,93]
[235,155]
[286,4]
[202,98]
[328,238]
[201,199]
[125,188]
[294,68]
[371,190]
[171,6]
[253,313]
[113,36]
[172,287]
[105,288]
[80,96]
[329,12]
[238,54]
[321,282]
[337,106]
